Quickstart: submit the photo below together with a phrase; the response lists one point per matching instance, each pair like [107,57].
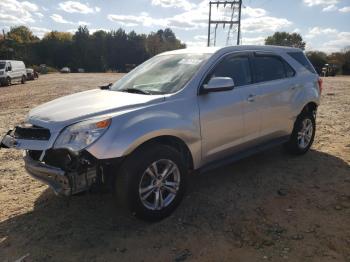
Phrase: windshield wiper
[135,90]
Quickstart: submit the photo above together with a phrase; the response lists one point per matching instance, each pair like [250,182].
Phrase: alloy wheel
[159,184]
[305,134]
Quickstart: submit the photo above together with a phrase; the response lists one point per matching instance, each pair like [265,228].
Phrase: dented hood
[83,105]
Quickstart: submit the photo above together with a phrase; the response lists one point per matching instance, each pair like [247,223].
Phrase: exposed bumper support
[52,176]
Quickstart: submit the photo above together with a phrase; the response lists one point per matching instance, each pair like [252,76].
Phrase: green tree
[100,51]
[346,65]
[18,43]
[55,49]
[286,39]
[21,34]
[318,59]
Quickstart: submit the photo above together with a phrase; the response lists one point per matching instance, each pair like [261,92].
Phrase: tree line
[340,60]
[97,52]
[119,51]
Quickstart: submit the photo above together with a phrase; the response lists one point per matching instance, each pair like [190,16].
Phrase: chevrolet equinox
[180,111]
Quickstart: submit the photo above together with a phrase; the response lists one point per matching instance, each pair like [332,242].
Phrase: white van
[12,71]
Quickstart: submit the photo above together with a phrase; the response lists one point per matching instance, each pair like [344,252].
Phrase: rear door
[275,86]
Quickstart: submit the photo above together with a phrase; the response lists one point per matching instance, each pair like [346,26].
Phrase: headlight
[78,136]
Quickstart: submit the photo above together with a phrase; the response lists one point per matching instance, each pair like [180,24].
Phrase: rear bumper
[52,176]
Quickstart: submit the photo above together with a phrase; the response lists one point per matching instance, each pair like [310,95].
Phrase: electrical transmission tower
[227,14]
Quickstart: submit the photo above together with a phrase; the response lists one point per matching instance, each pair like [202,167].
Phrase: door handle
[251,98]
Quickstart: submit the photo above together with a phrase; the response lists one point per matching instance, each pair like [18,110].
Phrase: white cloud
[39,31]
[15,12]
[345,9]
[264,24]
[254,20]
[30,6]
[132,20]
[82,23]
[337,43]
[38,14]
[192,44]
[253,12]
[184,4]
[59,19]
[77,7]
[329,8]
[200,37]
[253,40]
[320,2]
[317,31]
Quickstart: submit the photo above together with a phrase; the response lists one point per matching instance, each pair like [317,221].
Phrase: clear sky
[324,24]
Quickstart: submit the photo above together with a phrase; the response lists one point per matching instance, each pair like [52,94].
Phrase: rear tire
[303,134]
[151,182]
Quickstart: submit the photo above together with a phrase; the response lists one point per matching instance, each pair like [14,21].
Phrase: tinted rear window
[301,59]
[268,68]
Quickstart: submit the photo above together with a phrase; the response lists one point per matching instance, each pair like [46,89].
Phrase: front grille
[32,133]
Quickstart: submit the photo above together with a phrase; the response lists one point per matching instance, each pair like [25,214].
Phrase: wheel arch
[172,141]
[310,107]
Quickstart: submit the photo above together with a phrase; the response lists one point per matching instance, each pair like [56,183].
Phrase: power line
[234,21]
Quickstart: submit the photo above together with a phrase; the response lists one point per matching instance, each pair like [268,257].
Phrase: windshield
[2,65]
[161,75]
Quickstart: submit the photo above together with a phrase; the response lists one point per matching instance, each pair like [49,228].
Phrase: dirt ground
[269,207]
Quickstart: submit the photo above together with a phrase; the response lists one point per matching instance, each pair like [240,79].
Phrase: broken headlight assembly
[82,134]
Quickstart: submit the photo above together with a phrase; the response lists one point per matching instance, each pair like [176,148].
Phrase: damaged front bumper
[52,176]
[66,172]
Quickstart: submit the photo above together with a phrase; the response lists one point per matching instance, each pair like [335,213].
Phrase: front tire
[303,134]
[151,182]
[8,81]
[23,80]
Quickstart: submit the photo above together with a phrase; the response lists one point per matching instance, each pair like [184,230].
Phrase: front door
[221,113]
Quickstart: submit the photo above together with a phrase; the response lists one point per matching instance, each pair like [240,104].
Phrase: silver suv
[180,111]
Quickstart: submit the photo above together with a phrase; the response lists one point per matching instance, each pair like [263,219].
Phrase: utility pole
[239,23]
[233,20]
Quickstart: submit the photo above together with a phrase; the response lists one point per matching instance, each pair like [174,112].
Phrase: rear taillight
[320,82]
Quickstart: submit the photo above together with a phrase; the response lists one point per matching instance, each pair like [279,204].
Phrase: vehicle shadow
[88,226]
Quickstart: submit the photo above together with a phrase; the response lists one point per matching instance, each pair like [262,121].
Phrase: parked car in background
[31,74]
[81,70]
[43,69]
[12,71]
[65,70]
[329,70]
[184,110]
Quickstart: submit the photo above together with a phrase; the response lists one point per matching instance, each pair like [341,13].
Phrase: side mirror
[218,84]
